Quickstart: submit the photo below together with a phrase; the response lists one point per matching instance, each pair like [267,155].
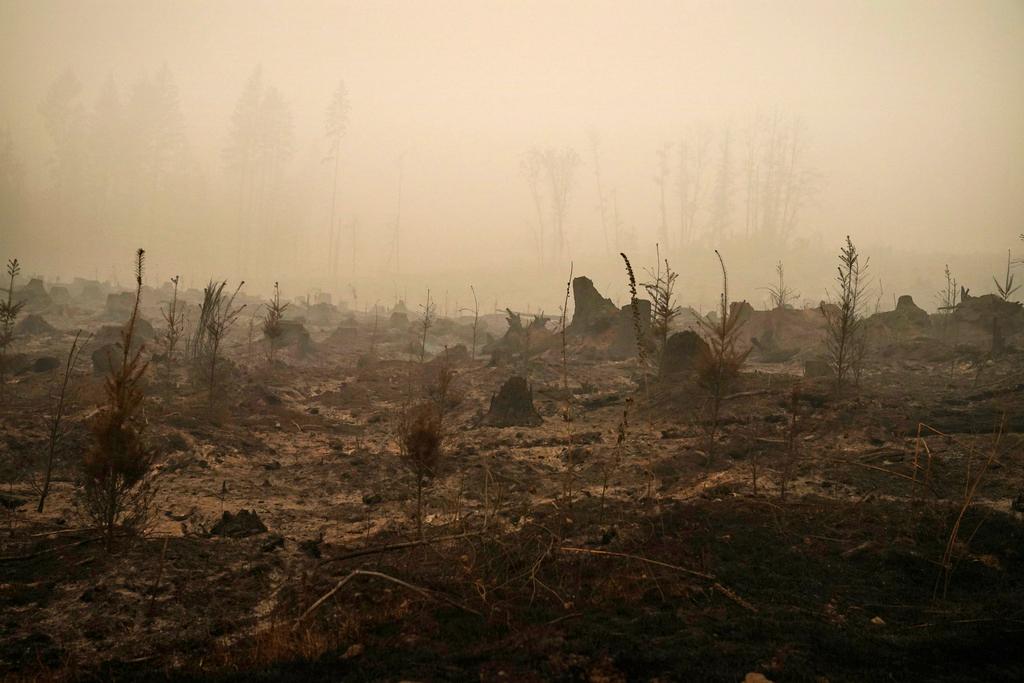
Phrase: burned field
[614,495]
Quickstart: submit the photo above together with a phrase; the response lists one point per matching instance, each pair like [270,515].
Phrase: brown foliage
[420,438]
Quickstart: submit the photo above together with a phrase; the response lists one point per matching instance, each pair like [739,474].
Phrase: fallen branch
[47,551]
[887,471]
[376,550]
[744,394]
[729,593]
[608,553]
[724,590]
[59,532]
[363,572]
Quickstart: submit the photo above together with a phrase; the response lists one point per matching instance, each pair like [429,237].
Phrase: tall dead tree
[336,127]
[690,181]
[661,180]
[260,144]
[720,220]
[560,168]
[240,160]
[602,203]
[778,180]
[532,167]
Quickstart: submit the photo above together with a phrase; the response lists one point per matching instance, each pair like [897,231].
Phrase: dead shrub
[420,439]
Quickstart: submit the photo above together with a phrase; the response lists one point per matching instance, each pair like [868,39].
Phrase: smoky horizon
[375,150]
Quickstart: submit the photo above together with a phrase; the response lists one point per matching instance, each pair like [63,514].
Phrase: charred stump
[513,406]
[683,351]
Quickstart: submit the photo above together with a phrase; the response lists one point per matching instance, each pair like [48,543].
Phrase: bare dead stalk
[363,572]
[627,556]
[971,490]
[378,550]
[567,414]
[56,431]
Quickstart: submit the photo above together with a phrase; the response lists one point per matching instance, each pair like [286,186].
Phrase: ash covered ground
[589,515]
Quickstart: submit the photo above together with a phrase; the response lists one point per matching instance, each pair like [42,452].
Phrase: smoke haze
[122,124]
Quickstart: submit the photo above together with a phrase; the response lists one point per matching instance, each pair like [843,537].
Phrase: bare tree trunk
[332,236]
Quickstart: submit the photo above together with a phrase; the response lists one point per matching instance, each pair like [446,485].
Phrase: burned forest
[500,342]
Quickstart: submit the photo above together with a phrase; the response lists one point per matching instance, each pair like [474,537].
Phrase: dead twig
[363,572]
[376,550]
[47,551]
[156,584]
[58,532]
[724,590]
[729,593]
[608,553]
[744,394]
[887,471]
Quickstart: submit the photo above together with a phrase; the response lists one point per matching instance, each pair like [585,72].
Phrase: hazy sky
[914,110]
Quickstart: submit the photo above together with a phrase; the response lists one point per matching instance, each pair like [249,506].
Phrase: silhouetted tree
[533,166]
[661,180]
[107,150]
[560,167]
[12,181]
[241,157]
[720,220]
[602,202]
[336,127]
[260,144]
[778,181]
[690,181]
[156,154]
[64,119]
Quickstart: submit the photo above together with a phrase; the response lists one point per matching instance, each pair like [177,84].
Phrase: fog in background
[448,136]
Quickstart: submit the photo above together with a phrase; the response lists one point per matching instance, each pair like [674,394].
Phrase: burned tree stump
[512,406]
[683,350]
[241,525]
[32,325]
[593,312]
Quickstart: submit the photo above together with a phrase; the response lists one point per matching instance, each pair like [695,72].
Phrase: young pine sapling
[844,325]
[721,361]
[272,328]
[115,489]
[664,310]
[9,310]
[948,301]
[174,316]
[781,295]
[426,323]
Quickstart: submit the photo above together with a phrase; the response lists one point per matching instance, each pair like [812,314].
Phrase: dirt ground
[573,550]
